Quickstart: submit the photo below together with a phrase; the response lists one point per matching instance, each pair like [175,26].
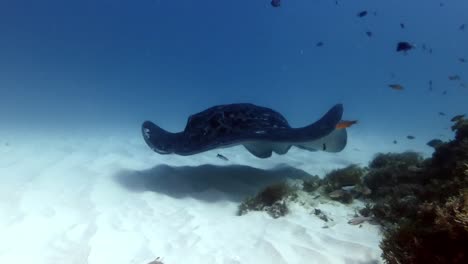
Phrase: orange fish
[345,123]
[396,87]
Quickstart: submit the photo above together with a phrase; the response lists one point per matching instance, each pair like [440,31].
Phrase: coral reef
[438,235]
[424,212]
[421,204]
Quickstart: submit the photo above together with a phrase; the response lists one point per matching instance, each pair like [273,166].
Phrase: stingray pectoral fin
[158,139]
[280,148]
[261,150]
[333,142]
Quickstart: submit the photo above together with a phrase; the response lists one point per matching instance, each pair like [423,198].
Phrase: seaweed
[272,199]
[311,184]
[348,176]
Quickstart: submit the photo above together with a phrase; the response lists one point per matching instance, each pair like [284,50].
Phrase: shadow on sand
[207,182]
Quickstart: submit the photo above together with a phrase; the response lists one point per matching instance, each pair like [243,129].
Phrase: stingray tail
[321,127]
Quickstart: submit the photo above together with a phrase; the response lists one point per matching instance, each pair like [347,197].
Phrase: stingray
[260,130]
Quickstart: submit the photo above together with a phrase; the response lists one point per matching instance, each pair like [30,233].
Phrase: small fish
[369,33]
[319,44]
[359,220]
[441,113]
[402,25]
[414,168]
[461,27]
[455,77]
[397,87]
[275,3]
[410,137]
[362,13]
[435,143]
[457,118]
[462,60]
[345,123]
[404,46]
[222,157]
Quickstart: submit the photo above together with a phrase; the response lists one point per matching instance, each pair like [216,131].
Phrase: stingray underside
[333,142]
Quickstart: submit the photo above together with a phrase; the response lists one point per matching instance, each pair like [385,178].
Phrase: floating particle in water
[441,113]
[410,137]
[461,27]
[369,33]
[402,25]
[362,13]
[430,85]
[462,60]
[404,46]
[444,92]
[395,142]
[319,44]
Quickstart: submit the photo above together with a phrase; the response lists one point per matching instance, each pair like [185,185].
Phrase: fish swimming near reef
[454,77]
[220,156]
[404,46]
[260,130]
[362,13]
[345,123]
[397,87]
[435,143]
[275,3]
[457,118]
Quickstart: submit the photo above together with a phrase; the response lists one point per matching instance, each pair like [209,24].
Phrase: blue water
[93,65]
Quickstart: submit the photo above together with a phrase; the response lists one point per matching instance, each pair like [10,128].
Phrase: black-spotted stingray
[260,130]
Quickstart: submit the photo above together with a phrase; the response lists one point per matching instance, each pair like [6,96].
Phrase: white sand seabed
[112,200]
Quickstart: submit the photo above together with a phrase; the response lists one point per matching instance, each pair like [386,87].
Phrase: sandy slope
[111,200]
